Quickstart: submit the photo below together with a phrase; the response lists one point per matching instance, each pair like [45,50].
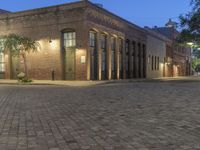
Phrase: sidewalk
[56,82]
[69,83]
[92,83]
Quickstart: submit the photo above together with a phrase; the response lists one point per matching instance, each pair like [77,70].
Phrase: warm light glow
[190,43]
[80,51]
[49,45]
[54,44]
[167,63]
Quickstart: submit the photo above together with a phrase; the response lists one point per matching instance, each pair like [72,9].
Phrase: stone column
[108,44]
[88,55]
[99,55]
[124,58]
[117,59]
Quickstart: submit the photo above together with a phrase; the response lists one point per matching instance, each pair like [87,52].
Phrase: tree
[18,46]
[190,24]
[197,68]
[196,53]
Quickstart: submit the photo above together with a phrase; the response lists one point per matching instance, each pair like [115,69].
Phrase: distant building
[178,58]
[156,54]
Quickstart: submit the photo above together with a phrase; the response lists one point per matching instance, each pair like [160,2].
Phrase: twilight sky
[141,12]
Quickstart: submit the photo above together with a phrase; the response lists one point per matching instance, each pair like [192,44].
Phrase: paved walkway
[92,83]
[131,116]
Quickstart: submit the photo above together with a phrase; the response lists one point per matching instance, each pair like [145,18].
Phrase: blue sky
[141,12]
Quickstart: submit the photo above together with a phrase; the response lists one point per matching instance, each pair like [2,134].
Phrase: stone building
[79,41]
[178,58]
[83,41]
[156,54]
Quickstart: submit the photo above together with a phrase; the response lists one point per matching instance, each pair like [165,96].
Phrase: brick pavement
[131,116]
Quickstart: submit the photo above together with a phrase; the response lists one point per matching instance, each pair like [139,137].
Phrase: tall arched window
[93,55]
[69,43]
[144,60]
[121,58]
[113,59]
[133,58]
[127,49]
[103,56]
[140,60]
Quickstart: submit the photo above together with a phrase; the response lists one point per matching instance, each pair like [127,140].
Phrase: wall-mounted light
[190,43]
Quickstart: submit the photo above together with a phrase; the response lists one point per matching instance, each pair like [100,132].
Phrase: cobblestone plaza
[116,116]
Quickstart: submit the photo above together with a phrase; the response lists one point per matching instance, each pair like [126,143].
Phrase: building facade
[81,41]
[178,57]
[156,54]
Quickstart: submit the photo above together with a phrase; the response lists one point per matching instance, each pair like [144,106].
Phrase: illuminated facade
[79,41]
[178,58]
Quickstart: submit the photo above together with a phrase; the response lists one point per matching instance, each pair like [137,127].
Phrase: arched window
[113,59]
[103,56]
[93,54]
[121,46]
[140,60]
[127,50]
[134,59]
[69,57]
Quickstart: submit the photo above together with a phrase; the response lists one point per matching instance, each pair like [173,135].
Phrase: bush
[22,78]
[26,81]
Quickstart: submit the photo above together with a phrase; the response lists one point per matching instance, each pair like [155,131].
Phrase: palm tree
[16,46]
[27,45]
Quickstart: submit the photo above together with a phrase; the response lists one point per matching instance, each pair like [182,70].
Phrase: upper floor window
[134,48]
[127,47]
[70,39]
[103,42]
[92,39]
[121,46]
[113,43]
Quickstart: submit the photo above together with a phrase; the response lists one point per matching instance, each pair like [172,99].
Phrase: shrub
[22,78]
